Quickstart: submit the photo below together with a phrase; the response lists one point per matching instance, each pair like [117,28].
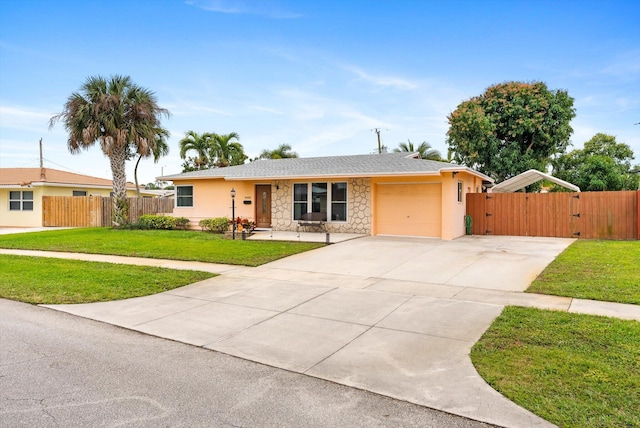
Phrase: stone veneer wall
[358,207]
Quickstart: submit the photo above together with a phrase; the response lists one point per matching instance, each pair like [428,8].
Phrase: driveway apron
[395,316]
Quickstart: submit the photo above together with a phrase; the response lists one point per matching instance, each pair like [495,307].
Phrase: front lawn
[573,370]
[596,270]
[43,280]
[160,244]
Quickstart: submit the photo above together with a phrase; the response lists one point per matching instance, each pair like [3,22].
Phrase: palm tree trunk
[135,176]
[118,157]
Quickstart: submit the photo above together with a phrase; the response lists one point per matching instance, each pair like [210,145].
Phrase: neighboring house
[379,194]
[22,189]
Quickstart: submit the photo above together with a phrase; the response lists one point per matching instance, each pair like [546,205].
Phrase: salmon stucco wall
[453,212]
[212,198]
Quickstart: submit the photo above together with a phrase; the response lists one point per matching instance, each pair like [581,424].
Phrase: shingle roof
[25,176]
[385,164]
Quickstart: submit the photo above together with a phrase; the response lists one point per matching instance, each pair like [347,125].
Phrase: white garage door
[409,209]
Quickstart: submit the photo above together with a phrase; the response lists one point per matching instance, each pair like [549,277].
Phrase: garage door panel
[409,209]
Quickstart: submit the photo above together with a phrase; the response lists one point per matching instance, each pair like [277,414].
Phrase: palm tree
[201,144]
[123,117]
[226,151]
[424,149]
[161,149]
[282,152]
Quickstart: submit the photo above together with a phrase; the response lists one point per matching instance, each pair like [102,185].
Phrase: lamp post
[233,213]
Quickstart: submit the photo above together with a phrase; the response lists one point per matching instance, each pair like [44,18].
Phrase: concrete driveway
[395,316]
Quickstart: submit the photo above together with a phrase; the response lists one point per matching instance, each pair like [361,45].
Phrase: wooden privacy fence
[586,215]
[95,211]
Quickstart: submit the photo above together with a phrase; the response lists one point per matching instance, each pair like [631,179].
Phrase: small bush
[182,223]
[153,221]
[216,225]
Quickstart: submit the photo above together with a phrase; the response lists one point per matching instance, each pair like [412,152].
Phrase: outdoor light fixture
[233,213]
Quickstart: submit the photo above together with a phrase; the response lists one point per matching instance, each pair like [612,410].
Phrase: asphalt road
[60,370]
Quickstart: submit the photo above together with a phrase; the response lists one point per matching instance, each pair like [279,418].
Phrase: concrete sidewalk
[395,316]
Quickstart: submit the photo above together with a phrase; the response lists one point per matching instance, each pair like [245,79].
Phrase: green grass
[161,244]
[573,370]
[43,280]
[597,270]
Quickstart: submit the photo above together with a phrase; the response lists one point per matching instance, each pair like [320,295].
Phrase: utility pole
[42,174]
[377,131]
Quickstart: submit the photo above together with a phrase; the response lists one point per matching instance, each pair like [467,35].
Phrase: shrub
[182,222]
[153,221]
[217,225]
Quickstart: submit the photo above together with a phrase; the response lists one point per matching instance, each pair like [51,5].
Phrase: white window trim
[460,192]
[309,202]
[178,197]
[21,200]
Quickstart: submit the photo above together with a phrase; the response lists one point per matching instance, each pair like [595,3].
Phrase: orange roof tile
[23,176]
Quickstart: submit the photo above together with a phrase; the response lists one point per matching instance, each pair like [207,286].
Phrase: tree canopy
[510,128]
[603,164]
[283,151]
[226,150]
[199,143]
[425,150]
[122,117]
[211,150]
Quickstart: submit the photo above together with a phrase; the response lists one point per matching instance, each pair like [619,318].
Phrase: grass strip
[43,280]
[596,270]
[160,244]
[573,370]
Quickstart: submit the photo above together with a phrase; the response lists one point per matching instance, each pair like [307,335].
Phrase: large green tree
[510,128]
[122,117]
[226,150]
[283,151]
[425,150]
[199,143]
[603,164]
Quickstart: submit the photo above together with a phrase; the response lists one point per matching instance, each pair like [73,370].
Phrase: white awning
[527,178]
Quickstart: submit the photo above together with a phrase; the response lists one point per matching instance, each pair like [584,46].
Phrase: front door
[263,205]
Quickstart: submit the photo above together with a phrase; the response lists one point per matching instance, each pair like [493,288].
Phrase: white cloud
[267,8]
[383,81]
[23,117]
[267,110]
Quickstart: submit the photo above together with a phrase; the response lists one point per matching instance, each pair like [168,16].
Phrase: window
[339,201]
[300,200]
[459,191]
[319,198]
[21,200]
[184,196]
[79,193]
[327,198]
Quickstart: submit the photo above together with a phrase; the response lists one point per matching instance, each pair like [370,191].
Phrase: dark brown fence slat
[588,215]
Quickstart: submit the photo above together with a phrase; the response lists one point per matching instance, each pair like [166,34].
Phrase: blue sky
[318,75]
